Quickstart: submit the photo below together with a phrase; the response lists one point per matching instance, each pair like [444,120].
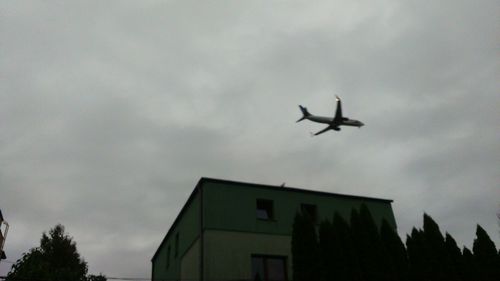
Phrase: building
[230,230]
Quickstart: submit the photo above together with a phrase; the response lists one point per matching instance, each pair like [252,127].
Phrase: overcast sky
[111,111]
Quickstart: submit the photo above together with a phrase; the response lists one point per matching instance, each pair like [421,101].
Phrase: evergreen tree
[485,256]
[327,251]
[469,270]
[359,252]
[456,258]
[437,258]
[305,250]
[372,257]
[344,255]
[359,244]
[32,265]
[417,256]
[99,277]
[396,250]
[56,259]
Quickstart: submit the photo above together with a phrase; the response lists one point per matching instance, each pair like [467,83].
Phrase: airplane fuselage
[320,119]
[330,120]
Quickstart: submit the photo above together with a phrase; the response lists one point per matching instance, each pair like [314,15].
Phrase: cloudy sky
[111,111]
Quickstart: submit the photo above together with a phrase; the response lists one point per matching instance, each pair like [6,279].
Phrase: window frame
[265,265]
[269,209]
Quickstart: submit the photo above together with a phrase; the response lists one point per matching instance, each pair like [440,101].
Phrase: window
[265,209]
[168,256]
[176,249]
[268,268]
[310,211]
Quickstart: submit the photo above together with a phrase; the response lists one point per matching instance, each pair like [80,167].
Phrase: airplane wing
[338,113]
[322,131]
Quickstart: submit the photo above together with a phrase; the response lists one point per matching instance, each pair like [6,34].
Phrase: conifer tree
[485,256]
[359,243]
[437,258]
[396,250]
[99,277]
[327,248]
[371,253]
[417,256]
[469,270]
[305,250]
[344,254]
[457,265]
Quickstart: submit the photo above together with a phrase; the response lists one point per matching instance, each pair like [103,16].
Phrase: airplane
[333,123]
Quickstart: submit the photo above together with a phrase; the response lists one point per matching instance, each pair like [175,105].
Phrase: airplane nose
[361,124]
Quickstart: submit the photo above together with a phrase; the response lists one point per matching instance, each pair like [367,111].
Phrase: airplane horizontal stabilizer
[305,113]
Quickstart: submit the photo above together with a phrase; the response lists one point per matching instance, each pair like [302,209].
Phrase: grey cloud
[113,111]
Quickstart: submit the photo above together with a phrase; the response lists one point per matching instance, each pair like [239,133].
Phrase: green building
[231,230]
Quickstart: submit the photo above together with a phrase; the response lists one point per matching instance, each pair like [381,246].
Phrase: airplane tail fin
[305,113]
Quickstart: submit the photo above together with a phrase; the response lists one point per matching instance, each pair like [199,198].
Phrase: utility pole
[3,236]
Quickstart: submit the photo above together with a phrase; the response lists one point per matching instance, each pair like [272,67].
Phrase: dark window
[168,256]
[265,209]
[310,211]
[258,272]
[176,249]
[268,268]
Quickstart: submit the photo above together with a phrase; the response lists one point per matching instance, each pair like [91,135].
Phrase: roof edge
[292,189]
[176,221]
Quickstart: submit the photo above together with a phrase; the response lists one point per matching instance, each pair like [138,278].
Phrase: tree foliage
[470,269]
[372,254]
[438,259]
[56,259]
[417,255]
[485,256]
[396,251]
[327,248]
[346,264]
[99,277]
[360,250]
[456,260]
[305,261]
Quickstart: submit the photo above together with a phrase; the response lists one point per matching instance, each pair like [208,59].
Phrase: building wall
[236,210]
[232,232]
[228,253]
[188,228]
[190,263]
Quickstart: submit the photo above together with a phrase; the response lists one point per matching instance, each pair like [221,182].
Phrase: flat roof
[290,189]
